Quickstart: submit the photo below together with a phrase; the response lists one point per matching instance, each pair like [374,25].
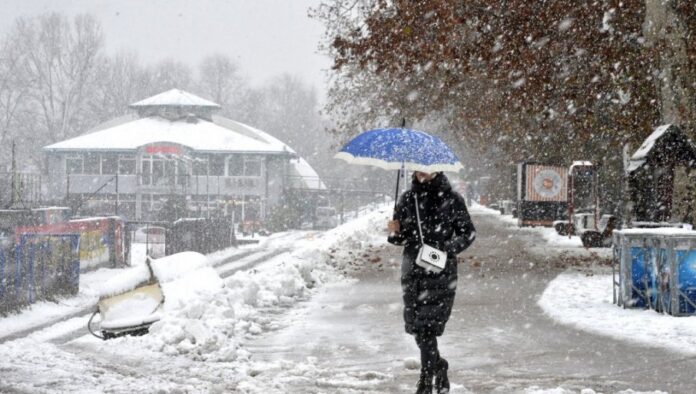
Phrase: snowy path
[270,331]
[349,338]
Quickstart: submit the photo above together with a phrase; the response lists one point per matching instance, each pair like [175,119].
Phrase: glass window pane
[169,171]
[126,166]
[217,165]
[109,163]
[158,176]
[200,166]
[92,163]
[252,167]
[146,171]
[74,165]
[235,166]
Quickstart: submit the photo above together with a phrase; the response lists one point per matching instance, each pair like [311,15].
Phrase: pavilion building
[174,147]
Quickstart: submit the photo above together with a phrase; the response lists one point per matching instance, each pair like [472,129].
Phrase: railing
[20,189]
[180,184]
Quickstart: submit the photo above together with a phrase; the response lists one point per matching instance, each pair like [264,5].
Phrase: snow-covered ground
[91,284]
[203,342]
[571,245]
[584,300]
[196,346]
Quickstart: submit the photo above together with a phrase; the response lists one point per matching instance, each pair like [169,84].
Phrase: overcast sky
[265,37]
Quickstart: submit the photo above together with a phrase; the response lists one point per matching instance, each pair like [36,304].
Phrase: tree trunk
[667,32]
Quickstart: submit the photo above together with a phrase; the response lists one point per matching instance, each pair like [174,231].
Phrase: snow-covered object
[128,133]
[175,98]
[205,318]
[203,136]
[411,363]
[579,164]
[169,268]
[634,165]
[179,280]
[127,280]
[674,147]
[300,167]
[656,231]
[166,269]
[649,142]
[309,177]
[135,308]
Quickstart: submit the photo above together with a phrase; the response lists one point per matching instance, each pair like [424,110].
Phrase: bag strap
[420,232]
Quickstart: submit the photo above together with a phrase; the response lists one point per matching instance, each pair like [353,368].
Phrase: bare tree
[220,80]
[14,88]
[122,81]
[669,29]
[170,74]
[60,59]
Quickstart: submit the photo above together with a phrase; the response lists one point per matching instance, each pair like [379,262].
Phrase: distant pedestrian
[428,296]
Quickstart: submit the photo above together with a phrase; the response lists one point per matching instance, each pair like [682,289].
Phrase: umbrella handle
[396,194]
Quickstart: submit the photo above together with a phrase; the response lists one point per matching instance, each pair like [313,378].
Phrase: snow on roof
[251,132]
[634,165]
[649,142]
[175,98]
[202,135]
[222,135]
[579,163]
[310,178]
[657,231]
[301,168]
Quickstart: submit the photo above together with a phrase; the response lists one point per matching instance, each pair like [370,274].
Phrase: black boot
[425,383]
[442,385]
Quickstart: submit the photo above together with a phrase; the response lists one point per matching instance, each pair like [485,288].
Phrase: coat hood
[439,183]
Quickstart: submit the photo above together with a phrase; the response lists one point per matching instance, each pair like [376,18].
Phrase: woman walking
[433,209]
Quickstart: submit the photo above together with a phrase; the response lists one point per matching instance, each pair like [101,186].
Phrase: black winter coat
[446,225]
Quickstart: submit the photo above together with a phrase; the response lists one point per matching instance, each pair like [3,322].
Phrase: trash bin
[636,258]
[677,262]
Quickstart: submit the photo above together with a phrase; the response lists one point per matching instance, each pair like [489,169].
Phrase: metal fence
[201,235]
[20,189]
[39,267]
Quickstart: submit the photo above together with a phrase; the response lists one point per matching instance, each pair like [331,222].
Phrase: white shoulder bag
[428,257]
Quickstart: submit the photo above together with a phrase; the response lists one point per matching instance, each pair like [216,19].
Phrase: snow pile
[165,269]
[204,318]
[483,210]
[587,304]
[169,268]
[126,280]
[552,237]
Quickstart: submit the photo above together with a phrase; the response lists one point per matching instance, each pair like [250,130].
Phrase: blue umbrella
[397,148]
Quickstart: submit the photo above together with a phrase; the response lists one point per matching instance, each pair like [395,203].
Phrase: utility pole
[14,196]
[117,196]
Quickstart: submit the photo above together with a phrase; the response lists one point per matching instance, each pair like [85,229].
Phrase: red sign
[165,149]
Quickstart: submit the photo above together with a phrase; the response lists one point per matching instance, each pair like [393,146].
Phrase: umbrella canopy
[396,148]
